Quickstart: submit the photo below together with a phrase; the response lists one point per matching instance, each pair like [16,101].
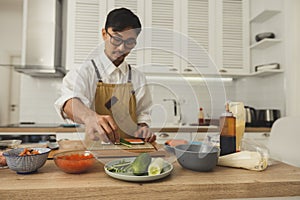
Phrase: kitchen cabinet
[266,16]
[81,30]
[202,37]
[261,138]
[232,34]
[178,37]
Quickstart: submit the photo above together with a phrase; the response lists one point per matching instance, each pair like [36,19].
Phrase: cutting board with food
[108,150]
[96,145]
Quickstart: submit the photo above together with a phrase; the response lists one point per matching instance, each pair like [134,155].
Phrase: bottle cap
[227,112]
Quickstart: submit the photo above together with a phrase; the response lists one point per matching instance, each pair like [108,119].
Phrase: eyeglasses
[117,41]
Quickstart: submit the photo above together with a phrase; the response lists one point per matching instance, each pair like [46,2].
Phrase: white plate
[167,169]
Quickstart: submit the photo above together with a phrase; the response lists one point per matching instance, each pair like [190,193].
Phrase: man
[106,94]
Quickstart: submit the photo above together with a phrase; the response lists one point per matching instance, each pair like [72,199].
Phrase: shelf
[265,43]
[266,72]
[264,16]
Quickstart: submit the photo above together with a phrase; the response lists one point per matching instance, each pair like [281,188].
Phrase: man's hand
[102,127]
[97,126]
[144,132]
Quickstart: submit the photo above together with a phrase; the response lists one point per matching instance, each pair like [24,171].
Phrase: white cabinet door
[178,36]
[197,27]
[81,30]
[232,40]
[162,19]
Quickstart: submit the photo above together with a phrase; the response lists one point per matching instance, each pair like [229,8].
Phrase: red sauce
[75,163]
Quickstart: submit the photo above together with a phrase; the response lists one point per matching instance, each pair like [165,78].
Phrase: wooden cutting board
[109,151]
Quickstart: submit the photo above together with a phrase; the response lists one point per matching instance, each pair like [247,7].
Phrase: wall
[191,94]
[10,40]
[38,96]
[37,99]
[262,92]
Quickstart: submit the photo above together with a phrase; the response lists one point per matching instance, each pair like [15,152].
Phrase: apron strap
[99,76]
[97,71]
[129,74]
[129,78]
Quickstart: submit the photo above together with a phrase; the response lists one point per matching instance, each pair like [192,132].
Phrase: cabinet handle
[187,70]
[163,135]
[222,70]
[173,69]
[266,134]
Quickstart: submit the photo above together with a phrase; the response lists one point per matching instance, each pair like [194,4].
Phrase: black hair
[121,19]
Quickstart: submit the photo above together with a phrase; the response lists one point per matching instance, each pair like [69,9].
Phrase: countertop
[185,128]
[51,183]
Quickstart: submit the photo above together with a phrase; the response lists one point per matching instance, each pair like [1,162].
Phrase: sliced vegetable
[140,164]
[121,167]
[155,167]
[28,152]
[125,143]
[245,159]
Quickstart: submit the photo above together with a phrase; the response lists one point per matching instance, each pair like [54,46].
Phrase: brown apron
[118,101]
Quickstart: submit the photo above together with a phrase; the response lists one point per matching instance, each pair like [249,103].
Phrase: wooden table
[51,183]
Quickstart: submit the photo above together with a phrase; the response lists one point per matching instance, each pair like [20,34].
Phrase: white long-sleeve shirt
[82,83]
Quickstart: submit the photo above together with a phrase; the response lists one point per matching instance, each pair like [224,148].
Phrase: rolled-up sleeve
[143,97]
[78,83]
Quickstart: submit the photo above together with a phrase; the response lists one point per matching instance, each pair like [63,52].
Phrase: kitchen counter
[51,183]
[41,129]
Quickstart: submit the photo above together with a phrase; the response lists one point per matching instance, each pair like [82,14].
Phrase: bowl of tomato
[26,160]
[74,162]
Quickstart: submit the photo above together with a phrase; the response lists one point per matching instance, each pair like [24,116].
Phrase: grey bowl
[26,164]
[191,156]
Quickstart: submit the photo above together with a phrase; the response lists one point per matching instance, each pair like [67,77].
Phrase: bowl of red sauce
[74,162]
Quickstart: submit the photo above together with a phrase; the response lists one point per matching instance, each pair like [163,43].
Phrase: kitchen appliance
[261,117]
[42,39]
[266,117]
[250,114]
[264,35]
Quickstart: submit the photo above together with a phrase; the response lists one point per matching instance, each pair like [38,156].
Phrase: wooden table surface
[51,183]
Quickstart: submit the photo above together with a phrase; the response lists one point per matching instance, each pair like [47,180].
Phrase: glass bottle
[227,132]
[201,116]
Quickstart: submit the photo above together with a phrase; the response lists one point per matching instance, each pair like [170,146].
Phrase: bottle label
[227,145]
[227,126]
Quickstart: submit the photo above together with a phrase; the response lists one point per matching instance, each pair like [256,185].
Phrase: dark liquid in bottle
[201,121]
[227,144]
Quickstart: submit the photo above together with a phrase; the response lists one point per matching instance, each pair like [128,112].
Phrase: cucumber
[155,167]
[140,164]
